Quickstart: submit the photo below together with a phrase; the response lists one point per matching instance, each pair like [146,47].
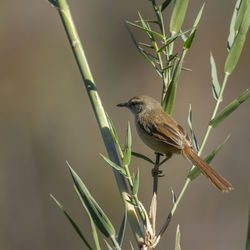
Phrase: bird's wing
[163,128]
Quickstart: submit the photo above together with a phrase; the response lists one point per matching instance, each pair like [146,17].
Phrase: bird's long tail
[221,183]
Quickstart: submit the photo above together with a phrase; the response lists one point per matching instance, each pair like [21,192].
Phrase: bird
[160,132]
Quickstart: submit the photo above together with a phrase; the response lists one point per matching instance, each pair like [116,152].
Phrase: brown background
[46,118]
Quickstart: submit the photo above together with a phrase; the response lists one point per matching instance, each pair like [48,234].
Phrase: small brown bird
[163,134]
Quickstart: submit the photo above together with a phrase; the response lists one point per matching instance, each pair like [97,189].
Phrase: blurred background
[46,118]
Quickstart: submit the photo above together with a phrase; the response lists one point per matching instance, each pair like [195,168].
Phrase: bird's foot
[156,171]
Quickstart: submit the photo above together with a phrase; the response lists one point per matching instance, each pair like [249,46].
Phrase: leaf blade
[190,124]
[77,229]
[229,108]
[114,165]
[127,151]
[122,228]
[99,217]
[215,81]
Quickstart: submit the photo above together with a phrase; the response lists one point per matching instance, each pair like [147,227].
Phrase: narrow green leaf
[146,45]
[127,150]
[72,222]
[92,223]
[196,145]
[145,29]
[141,156]
[54,3]
[215,81]
[186,69]
[169,100]
[229,108]
[142,52]
[172,39]
[132,248]
[178,14]
[196,172]
[114,165]
[235,51]
[240,14]
[136,184]
[232,31]
[108,246]
[248,228]
[99,217]
[188,42]
[147,21]
[146,25]
[122,228]
[173,196]
[178,238]
[165,4]
[132,202]
[114,135]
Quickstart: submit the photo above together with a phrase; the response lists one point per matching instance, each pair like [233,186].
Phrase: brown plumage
[163,134]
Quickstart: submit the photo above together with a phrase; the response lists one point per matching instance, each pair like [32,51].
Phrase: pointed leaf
[188,42]
[240,14]
[141,156]
[233,32]
[215,82]
[127,150]
[54,3]
[173,196]
[92,223]
[99,217]
[114,135]
[122,228]
[146,45]
[150,32]
[72,222]
[195,172]
[152,212]
[172,39]
[169,99]
[132,248]
[165,4]
[178,238]
[196,145]
[178,14]
[235,51]
[229,108]
[114,165]
[146,26]
[108,246]
[142,52]
[136,184]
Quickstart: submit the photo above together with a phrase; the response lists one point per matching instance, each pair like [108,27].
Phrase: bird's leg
[156,170]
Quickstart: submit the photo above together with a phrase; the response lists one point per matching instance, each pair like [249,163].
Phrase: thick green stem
[98,109]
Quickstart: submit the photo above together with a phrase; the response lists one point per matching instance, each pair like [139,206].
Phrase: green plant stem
[155,181]
[135,197]
[115,243]
[187,181]
[98,109]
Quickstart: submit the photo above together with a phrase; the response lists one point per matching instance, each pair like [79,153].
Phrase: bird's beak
[125,104]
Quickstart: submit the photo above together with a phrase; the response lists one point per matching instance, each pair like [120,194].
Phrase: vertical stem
[98,109]
[155,182]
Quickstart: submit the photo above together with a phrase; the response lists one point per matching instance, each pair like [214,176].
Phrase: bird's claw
[158,172]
